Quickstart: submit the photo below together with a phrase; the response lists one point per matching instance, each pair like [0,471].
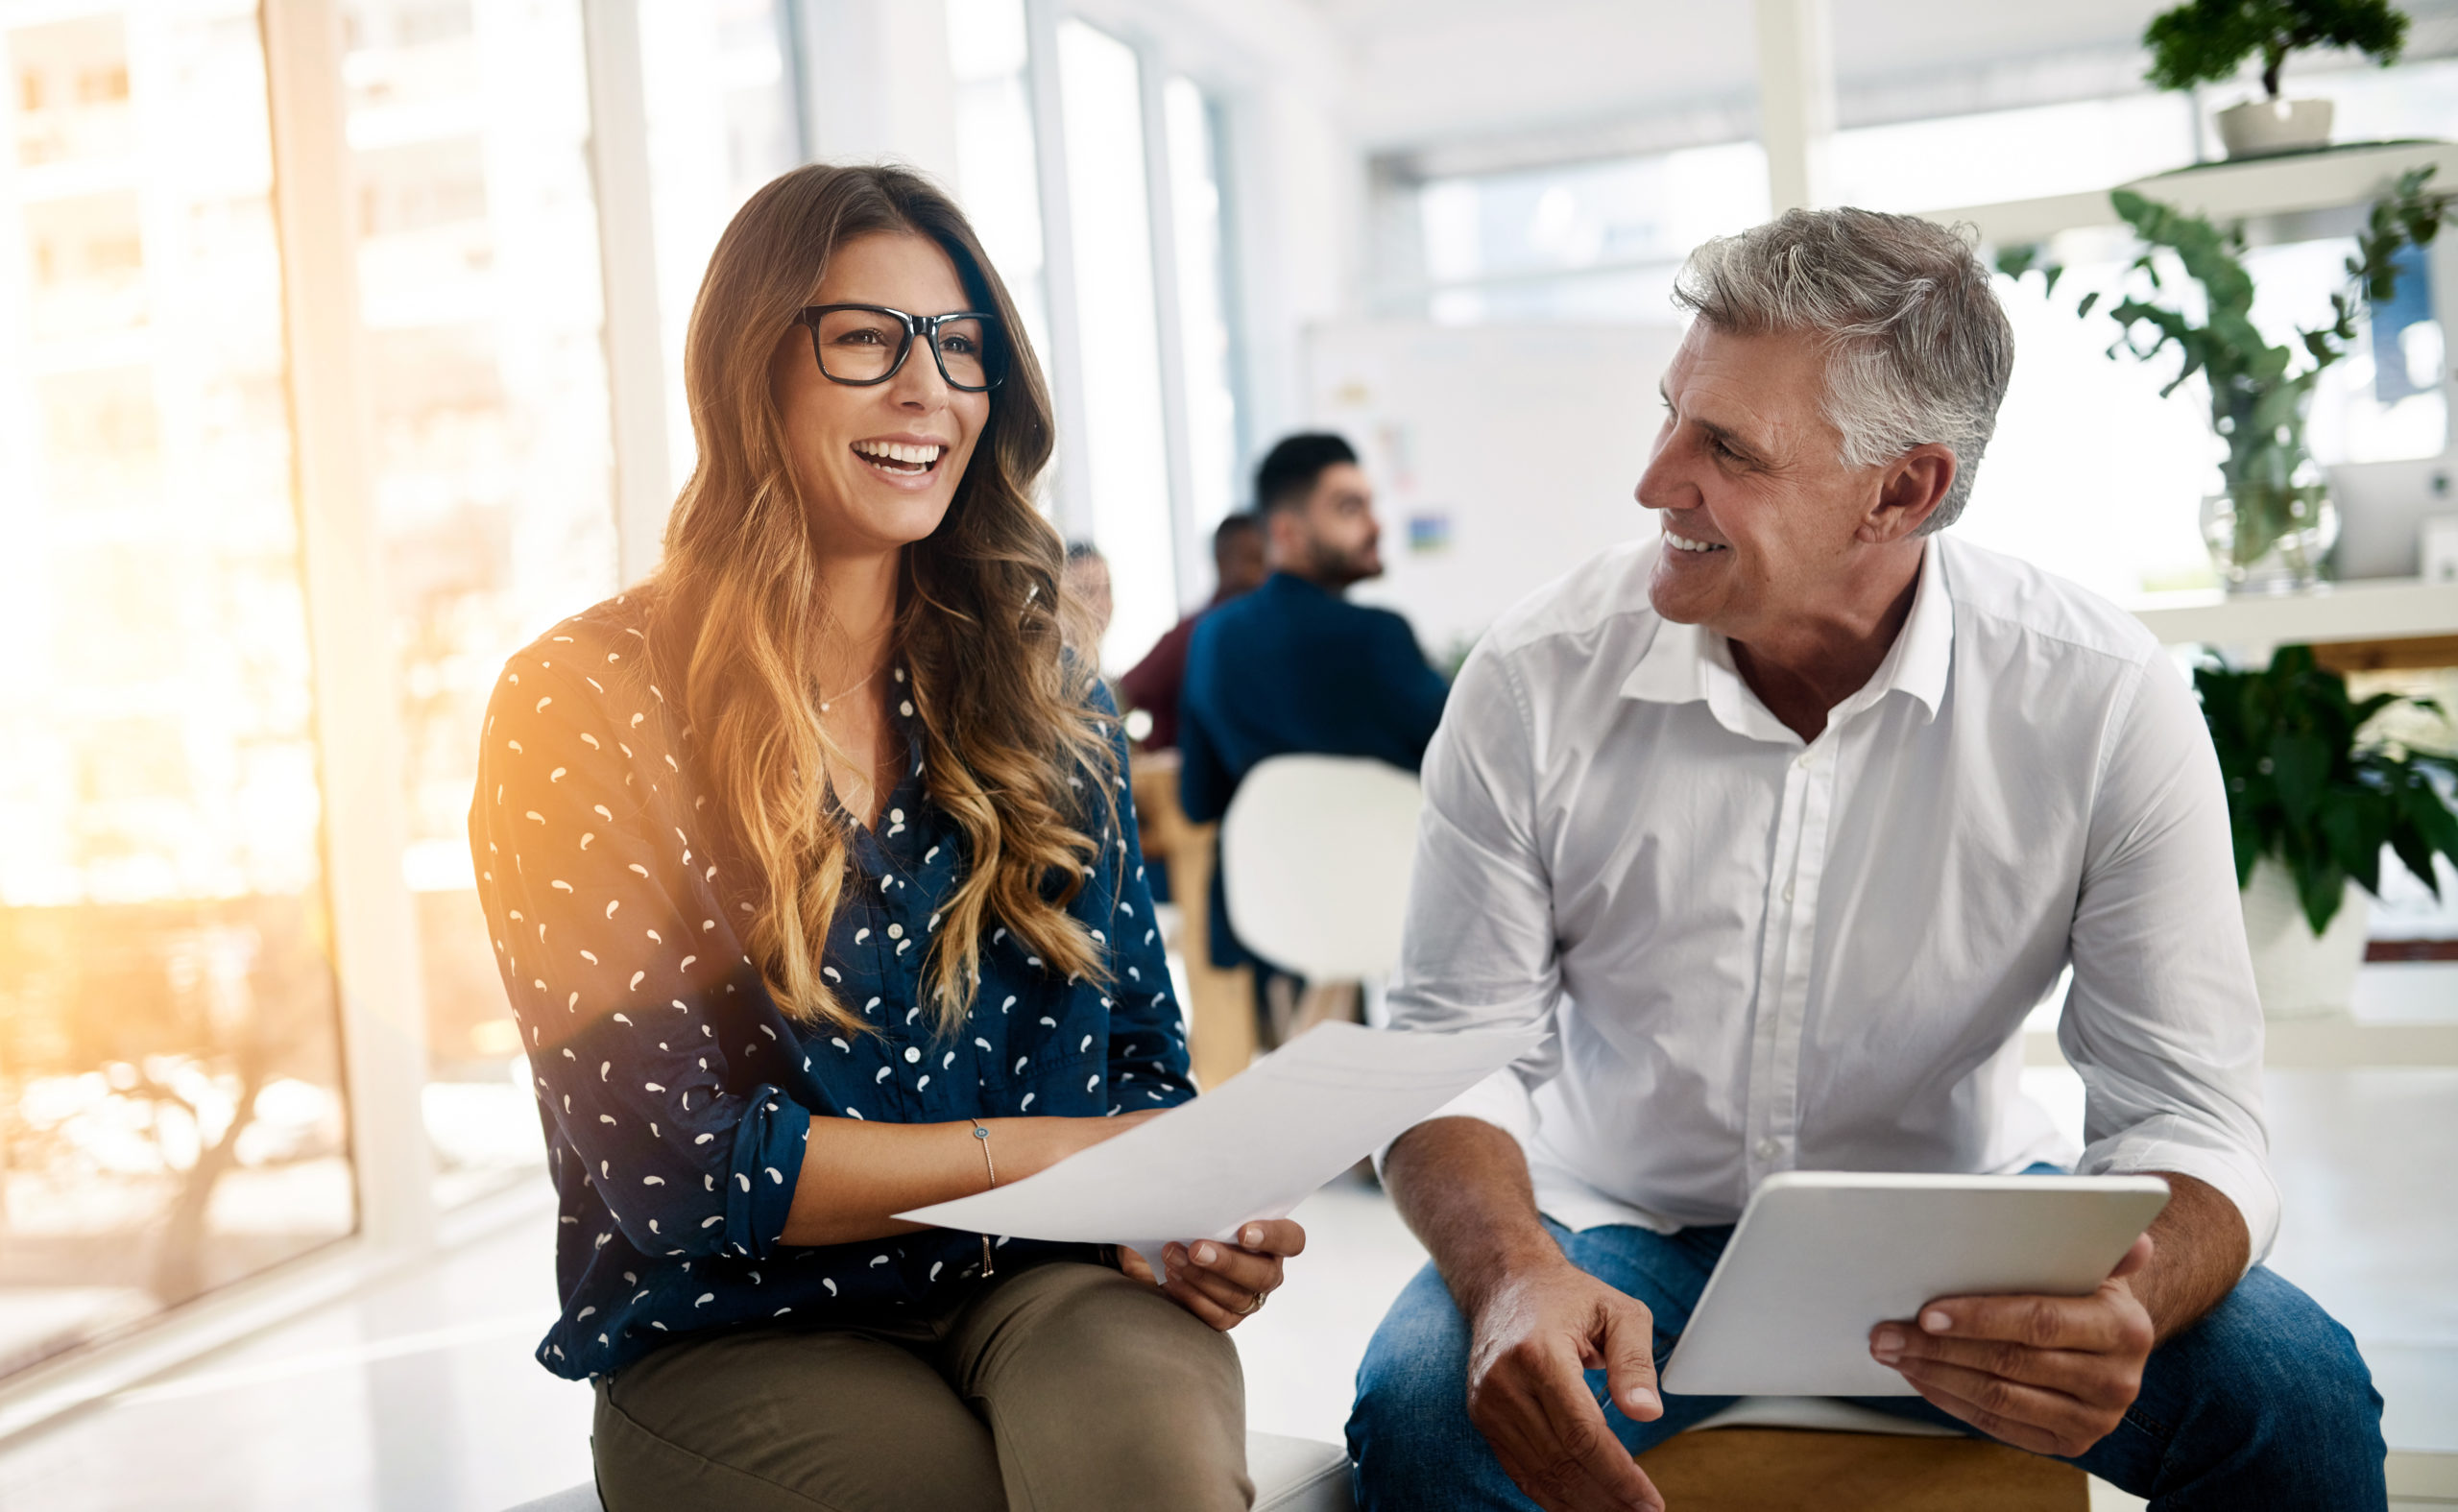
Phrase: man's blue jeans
[2262,1403]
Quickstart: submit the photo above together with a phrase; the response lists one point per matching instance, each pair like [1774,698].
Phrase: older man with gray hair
[1781,823]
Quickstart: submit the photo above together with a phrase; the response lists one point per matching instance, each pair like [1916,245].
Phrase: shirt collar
[1690,663]
[1923,650]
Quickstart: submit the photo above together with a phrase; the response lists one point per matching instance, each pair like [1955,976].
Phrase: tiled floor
[420,1396]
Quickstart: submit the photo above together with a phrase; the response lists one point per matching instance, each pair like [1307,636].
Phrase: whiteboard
[1525,439]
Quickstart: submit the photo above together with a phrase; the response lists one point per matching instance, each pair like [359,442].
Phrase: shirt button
[911,1055]
[1804,761]
[1788,892]
[1767,1148]
[896,931]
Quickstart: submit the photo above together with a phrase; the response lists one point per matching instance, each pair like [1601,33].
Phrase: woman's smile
[902,458]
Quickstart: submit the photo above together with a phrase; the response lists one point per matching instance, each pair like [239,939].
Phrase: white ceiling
[1425,73]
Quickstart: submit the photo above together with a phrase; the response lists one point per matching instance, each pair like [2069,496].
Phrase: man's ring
[1252,1308]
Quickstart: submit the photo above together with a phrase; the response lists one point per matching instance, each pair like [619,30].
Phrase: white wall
[1527,440]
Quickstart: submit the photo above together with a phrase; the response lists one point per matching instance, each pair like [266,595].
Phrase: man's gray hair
[1919,349]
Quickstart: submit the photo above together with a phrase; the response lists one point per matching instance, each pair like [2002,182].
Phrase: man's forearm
[2200,1248]
[1463,1185]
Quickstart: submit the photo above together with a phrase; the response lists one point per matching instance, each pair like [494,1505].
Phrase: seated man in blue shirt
[1294,669]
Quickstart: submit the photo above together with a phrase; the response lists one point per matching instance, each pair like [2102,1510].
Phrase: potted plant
[2272,524]
[2311,803]
[2205,41]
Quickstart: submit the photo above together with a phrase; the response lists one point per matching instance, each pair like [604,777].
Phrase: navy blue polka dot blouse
[676,1096]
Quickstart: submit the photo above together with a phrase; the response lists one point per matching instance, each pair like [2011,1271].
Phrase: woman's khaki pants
[1064,1388]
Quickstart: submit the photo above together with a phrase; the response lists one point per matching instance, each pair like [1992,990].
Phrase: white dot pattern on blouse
[676,1098]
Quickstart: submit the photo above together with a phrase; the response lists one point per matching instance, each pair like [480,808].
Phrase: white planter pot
[2263,128]
[2299,976]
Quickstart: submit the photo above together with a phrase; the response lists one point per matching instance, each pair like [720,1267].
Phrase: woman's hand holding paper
[1225,1284]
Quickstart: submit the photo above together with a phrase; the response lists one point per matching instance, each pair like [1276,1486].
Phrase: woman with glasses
[818,894]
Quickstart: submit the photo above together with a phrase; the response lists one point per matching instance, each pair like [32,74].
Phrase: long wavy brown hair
[1012,747]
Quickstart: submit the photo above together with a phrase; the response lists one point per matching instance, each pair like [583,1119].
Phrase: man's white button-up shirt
[1757,955]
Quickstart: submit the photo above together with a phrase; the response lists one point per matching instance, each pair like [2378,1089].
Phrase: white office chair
[1291,1474]
[1315,853]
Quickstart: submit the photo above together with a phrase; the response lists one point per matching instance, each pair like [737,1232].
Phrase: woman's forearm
[857,1175]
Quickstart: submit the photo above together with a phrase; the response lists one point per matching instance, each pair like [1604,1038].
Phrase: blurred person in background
[816,903]
[1151,687]
[1294,668]
[1240,564]
[1086,584]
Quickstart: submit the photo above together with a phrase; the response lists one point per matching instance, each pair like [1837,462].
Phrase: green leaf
[2354,825]
[2435,826]
[2415,851]
[2322,889]
[2298,768]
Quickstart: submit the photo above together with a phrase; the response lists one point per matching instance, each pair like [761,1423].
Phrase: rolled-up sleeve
[2164,1023]
[768,1145]
[1478,951]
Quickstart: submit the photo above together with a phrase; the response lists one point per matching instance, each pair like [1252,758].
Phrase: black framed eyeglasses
[866,344]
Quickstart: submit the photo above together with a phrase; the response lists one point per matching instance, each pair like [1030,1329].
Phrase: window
[1196,177]
[171,1107]
[1582,241]
[477,254]
[1119,339]
[998,169]
[721,122]
[2074,148]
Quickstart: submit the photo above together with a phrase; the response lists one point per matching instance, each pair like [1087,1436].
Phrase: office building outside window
[482,312]
[170,1109]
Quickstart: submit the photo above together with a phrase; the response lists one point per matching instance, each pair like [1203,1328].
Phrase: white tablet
[1822,1257]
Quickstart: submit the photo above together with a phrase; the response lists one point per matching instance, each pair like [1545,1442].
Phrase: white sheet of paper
[1255,1148]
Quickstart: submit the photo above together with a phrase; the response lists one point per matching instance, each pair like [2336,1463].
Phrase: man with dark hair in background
[1294,668]
[1239,567]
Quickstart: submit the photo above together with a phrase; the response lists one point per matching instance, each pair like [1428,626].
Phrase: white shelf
[2386,609]
[2220,192]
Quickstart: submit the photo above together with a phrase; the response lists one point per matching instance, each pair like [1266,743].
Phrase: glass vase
[2270,541]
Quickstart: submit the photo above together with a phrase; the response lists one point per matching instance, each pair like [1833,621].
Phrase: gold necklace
[824,701]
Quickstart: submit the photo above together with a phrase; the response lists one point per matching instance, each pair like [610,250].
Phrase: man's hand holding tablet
[2055,1375]
[2052,1374]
